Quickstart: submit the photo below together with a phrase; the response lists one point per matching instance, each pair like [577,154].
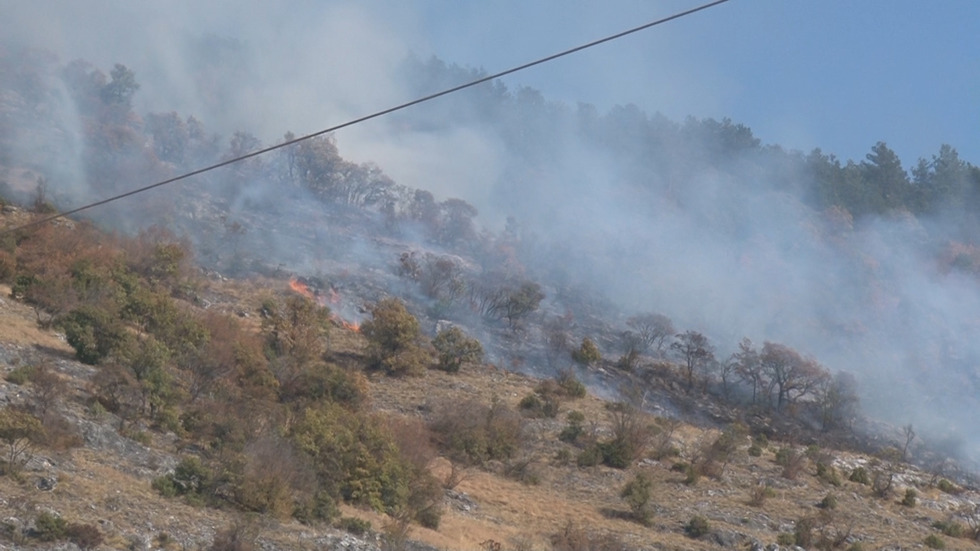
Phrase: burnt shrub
[85,536]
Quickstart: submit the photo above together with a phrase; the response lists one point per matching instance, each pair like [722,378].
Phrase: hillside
[608,331]
[96,469]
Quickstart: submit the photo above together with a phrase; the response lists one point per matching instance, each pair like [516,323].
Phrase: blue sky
[839,75]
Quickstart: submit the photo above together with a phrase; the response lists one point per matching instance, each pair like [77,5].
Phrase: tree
[18,431]
[886,180]
[650,331]
[122,87]
[696,353]
[838,400]
[747,367]
[790,375]
[455,348]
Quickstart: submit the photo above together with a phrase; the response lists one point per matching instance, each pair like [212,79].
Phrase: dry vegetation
[224,448]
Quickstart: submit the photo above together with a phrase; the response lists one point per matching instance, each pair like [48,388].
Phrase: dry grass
[104,487]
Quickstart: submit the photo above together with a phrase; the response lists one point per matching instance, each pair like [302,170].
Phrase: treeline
[666,153]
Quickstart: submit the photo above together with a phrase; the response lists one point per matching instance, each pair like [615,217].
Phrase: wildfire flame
[333,297]
[304,289]
[350,325]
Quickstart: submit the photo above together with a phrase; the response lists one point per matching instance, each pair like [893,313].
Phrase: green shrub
[786,539]
[164,485]
[21,375]
[572,387]
[394,339]
[692,475]
[829,502]
[950,528]
[755,450]
[353,525]
[590,456]
[536,404]
[861,476]
[587,353]
[696,527]
[828,474]
[933,541]
[456,348]
[910,497]
[803,533]
[191,478]
[574,429]
[637,494]
[49,527]
[948,487]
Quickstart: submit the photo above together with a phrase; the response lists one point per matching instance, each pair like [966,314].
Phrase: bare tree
[650,331]
[694,350]
[909,434]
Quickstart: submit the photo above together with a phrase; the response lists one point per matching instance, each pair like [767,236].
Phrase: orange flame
[303,289]
[333,298]
[349,325]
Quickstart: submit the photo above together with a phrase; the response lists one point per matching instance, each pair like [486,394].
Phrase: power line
[366,117]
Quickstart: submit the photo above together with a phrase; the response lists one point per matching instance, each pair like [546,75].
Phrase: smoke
[723,245]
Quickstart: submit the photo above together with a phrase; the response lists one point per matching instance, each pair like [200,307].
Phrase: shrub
[637,494]
[21,375]
[236,537]
[539,405]
[786,539]
[803,532]
[792,462]
[933,541]
[49,527]
[573,538]
[910,497]
[354,525]
[572,387]
[950,528]
[590,456]
[827,473]
[829,502]
[85,536]
[860,475]
[455,348]
[760,494]
[191,478]
[948,487]
[881,484]
[94,333]
[587,353]
[394,339]
[696,527]
[473,432]
[574,429]
[755,450]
